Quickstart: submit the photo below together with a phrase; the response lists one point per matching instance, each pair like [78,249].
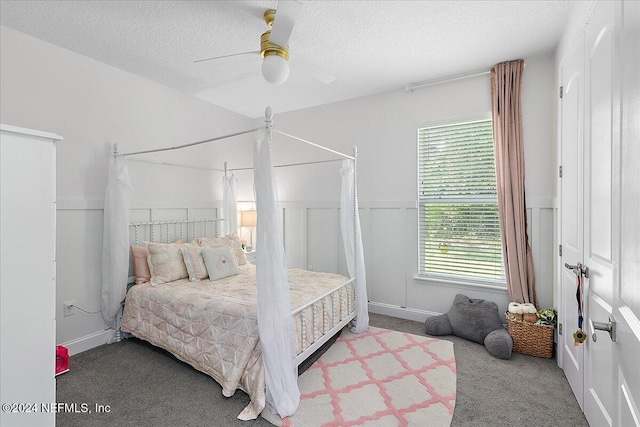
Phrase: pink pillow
[140,265]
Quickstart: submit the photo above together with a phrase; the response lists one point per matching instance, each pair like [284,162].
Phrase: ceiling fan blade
[254,52]
[312,70]
[286,16]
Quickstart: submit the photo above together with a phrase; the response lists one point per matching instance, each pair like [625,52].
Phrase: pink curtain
[506,83]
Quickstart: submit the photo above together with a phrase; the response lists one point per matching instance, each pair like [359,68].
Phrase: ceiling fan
[274,48]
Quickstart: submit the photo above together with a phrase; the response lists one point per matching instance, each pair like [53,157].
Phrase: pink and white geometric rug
[379,378]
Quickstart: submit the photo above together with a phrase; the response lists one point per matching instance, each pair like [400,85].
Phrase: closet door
[626,223]
[27,281]
[572,138]
[599,56]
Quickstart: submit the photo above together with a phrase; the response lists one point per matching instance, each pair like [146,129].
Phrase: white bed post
[225,225]
[115,243]
[268,121]
[118,337]
[355,221]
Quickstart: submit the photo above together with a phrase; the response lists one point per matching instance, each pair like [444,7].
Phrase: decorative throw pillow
[194,262]
[165,262]
[476,320]
[232,240]
[140,265]
[473,319]
[220,262]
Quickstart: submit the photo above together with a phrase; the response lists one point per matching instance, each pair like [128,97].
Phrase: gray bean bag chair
[476,320]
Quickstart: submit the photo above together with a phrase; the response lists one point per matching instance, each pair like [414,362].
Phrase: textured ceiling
[370,46]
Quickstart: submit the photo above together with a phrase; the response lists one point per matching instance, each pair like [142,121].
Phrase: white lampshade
[275,69]
[249,219]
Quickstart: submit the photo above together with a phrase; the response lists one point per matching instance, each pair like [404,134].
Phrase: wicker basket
[530,338]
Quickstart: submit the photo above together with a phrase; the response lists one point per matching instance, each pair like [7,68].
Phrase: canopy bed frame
[277,323]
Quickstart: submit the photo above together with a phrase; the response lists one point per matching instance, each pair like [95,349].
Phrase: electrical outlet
[309,267]
[68,308]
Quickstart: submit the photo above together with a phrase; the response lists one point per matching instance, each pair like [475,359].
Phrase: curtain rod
[157,150]
[411,87]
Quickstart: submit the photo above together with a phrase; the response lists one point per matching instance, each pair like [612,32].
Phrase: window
[459,227]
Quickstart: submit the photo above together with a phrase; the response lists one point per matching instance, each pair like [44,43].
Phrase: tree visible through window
[459,229]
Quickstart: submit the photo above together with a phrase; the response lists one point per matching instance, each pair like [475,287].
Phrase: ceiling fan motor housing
[266,47]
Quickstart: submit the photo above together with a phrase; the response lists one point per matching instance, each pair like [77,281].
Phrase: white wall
[383,127]
[93,105]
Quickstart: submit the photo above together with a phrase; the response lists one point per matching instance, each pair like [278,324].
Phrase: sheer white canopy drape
[352,239]
[115,240]
[275,323]
[229,204]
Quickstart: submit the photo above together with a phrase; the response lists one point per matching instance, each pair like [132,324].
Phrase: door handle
[602,326]
[584,270]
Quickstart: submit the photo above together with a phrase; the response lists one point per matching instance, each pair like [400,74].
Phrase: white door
[606,217]
[571,213]
[599,399]
[627,224]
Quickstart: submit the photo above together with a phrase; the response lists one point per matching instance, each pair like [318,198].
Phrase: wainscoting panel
[385,255]
[79,271]
[322,230]
[541,216]
[312,236]
[294,236]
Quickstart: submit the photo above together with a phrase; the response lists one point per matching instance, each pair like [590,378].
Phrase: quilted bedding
[212,325]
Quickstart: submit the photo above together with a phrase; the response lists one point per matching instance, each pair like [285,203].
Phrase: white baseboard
[401,312]
[88,342]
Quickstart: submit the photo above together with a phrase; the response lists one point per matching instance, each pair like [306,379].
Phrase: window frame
[453,279]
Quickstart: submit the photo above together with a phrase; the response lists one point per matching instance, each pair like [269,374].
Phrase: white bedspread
[212,325]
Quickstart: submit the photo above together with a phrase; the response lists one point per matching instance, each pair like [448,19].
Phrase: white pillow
[195,263]
[220,262]
[165,262]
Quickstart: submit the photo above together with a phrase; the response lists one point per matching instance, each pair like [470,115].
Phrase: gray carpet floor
[146,386]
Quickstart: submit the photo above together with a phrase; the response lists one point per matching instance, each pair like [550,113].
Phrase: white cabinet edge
[25,131]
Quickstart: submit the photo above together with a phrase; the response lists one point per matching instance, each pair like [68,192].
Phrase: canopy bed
[251,328]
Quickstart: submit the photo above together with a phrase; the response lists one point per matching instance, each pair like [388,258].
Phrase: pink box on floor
[62,359]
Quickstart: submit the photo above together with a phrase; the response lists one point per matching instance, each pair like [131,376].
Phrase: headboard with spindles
[183,229]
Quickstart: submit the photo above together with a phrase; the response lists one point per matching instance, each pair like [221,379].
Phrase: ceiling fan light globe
[275,69]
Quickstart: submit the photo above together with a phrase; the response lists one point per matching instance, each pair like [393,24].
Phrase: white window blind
[459,229]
